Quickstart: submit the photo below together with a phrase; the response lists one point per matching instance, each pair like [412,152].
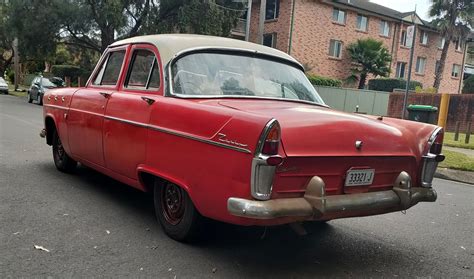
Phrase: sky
[422,6]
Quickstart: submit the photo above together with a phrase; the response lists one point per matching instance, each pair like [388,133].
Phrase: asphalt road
[94,226]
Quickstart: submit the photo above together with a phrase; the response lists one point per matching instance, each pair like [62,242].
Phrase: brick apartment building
[323,29]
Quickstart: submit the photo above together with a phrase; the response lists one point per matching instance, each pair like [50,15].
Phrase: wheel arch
[50,126]
[147,177]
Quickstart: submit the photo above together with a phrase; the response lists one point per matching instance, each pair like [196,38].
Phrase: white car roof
[170,45]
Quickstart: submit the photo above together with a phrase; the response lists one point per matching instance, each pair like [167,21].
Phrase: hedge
[388,84]
[324,81]
[68,71]
[468,87]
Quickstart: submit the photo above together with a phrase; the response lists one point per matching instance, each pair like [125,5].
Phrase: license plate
[360,177]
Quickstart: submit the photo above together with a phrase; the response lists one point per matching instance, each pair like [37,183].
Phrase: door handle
[149,101]
[105,94]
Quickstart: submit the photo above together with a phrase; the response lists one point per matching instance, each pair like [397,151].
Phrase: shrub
[67,71]
[388,84]
[468,87]
[429,90]
[324,81]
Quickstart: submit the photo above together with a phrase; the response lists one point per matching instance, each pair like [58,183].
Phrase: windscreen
[234,75]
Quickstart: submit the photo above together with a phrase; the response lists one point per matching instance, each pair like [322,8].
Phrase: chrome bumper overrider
[316,205]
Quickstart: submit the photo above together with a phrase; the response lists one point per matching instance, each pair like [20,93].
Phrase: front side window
[110,69]
[269,40]
[456,70]
[272,9]
[335,48]
[231,74]
[384,28]
[144,73]
[362,23]
[339,16]
[401,66]
[420,65]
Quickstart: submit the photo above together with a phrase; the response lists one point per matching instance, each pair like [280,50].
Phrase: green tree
[370,57]
[453,19]
[6,40]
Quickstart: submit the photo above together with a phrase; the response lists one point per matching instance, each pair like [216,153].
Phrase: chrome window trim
[183,96]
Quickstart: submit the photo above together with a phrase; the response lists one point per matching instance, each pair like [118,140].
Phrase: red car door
[86,114]
[128,112]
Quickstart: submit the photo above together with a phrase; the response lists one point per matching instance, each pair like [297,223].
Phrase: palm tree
[453,19]
[370,57]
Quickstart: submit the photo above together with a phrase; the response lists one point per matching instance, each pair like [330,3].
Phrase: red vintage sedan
[234,131]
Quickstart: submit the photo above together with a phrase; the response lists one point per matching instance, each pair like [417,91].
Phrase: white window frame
[335,48]
[276,12]
[398,70]
[403,38]
[424,38]
[441,42]
[420,67]
[338,16]
[362,28]
[385,30]
[274,38]
[456,71]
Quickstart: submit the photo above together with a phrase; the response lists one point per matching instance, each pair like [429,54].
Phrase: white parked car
[3,86]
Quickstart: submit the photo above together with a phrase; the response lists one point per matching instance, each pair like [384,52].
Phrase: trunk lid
[310,130]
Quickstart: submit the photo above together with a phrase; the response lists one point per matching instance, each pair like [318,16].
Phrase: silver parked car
[3,86]
[40,85]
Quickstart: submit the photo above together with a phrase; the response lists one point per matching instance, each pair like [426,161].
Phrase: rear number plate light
[359,177]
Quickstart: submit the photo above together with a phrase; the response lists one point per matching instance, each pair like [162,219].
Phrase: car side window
[110,69]
[144,73]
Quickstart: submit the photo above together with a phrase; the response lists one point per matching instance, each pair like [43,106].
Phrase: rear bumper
[315,205]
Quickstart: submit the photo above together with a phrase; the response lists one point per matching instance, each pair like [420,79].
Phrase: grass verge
[457,161]
[449,141]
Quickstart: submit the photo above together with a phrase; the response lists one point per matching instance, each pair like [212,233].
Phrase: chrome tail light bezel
[430,160]
[262,175]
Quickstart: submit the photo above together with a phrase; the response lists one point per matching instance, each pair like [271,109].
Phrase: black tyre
[29,97]
[39,99]
[62,161]
[176,212]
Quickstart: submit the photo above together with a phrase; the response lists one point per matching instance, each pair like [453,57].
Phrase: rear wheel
[39,99]
[62,161]
[29,97]
[176,212]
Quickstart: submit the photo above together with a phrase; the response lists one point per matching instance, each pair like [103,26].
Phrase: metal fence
[347,99]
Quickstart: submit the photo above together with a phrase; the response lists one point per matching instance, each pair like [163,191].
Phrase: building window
[458,45]
[456,70]
[335,48]
[437,66]
[441,42]
[420,65]
[272,9]
[270,39]
[339,16]
[384,28]
[401,66]
[362,23]
[424,38]
[403,38]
